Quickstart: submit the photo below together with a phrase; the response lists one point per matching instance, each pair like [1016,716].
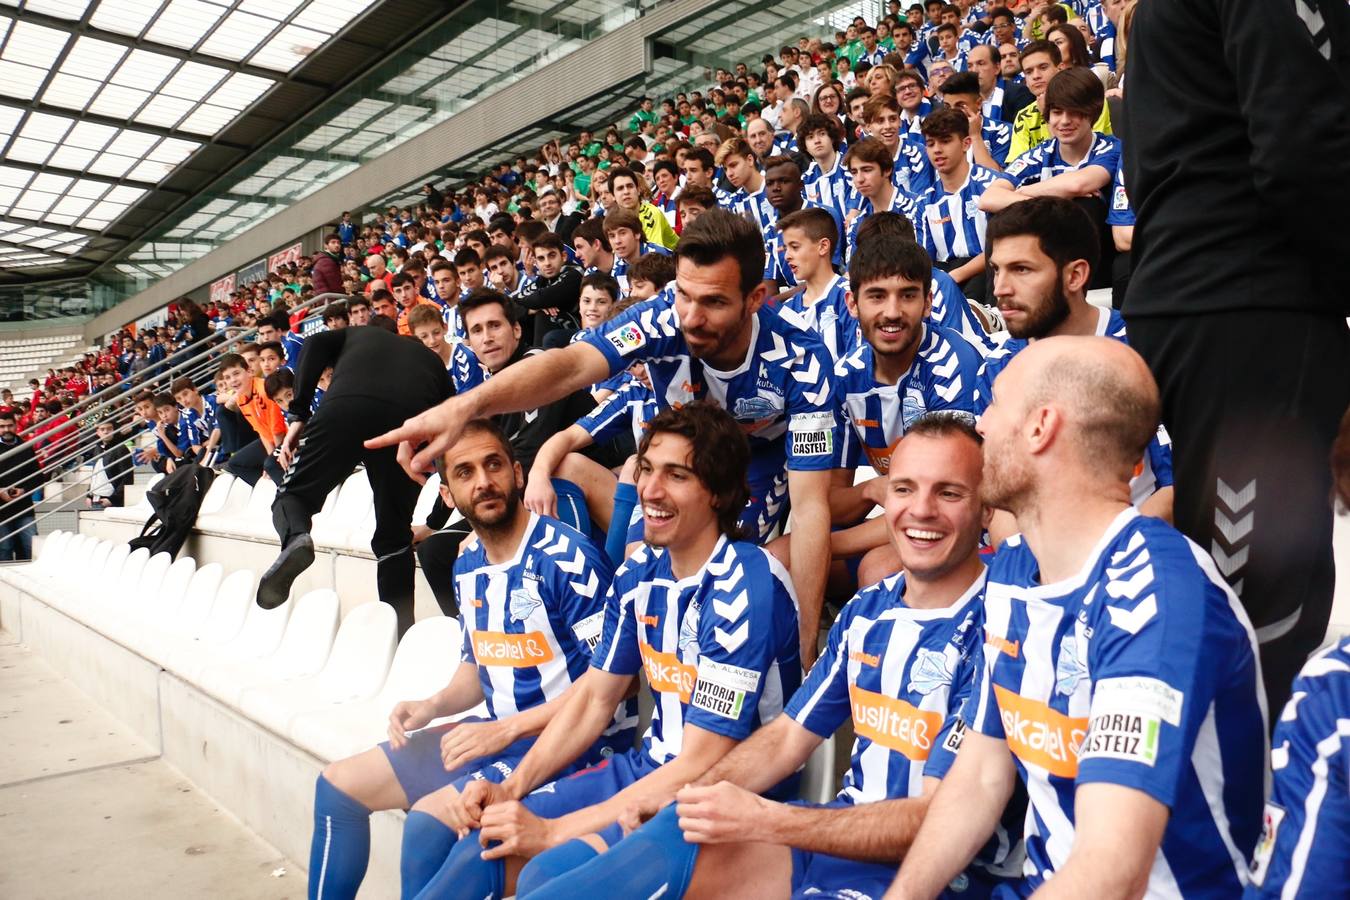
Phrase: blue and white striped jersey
[755,207]
[970,39]
[913,122]
[913,172]
[530,623]
[876,416]
[1120,212]
[952,310]
[1139,671]
[828,316]
[619,271]
[1044,162]
[1305,836]
[196,427]
[901,202]
[992,108]
[951,224]
[902,676]
[719,648]
[997,136]
[454,324]
[465,370]
[828,189]
[875,58]
[631,406]
[783,394]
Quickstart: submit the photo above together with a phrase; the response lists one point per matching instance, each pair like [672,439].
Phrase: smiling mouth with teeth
[651,512]
[918,534]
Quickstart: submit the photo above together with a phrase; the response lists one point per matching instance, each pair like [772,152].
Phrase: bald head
[1106,393]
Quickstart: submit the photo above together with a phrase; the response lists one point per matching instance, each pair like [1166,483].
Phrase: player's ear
[520,475]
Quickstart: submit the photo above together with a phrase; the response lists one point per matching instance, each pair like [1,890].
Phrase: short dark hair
[550,241]
[890,225]
[180,384]
[623,218]
[945,26]
[815,222]
[703,156]
[698,195]
[274,346]
[870,150]
[602,281]
[821,122]
[962,83]
[486,296]
[384,322]
[718,234]
[503,223]
[945,423]
[467,256]
[720,454]
[160,400]
[227,362]
[332,236]
[497,251]
[593,232]
[1043,46]
[356,300]
[278,381]
[657,268]
[1076,90]
[1063,228]
[875,259]
[335,310]
[946,122]
[401,279]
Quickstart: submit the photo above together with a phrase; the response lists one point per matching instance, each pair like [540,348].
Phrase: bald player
[1119,678]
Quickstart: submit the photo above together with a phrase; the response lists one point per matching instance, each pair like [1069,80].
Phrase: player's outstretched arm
[722,813]
[766,757]
[810,496]
[539,494]
[588,709]
[960,818]
[1117,832]
[528,384]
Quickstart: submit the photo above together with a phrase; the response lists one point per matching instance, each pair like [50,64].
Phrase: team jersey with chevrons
[531,623]
[902,675]
[828,189]
[951,224]
[876,416]
[952,310]
[1304,849]
[829,317]
[465,370]
[782,395]
[630,406]
[755,207]
[719,648]
[1139,671]
[1120,212]
[1044,162]
[901,202]
[1154,471]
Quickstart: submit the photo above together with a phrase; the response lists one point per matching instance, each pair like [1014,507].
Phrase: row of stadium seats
[325,686]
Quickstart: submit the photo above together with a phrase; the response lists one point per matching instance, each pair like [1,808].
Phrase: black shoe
[275,585]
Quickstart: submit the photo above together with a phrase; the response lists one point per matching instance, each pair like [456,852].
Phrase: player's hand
[437,428]
[472,740]
[517,831]
[637,815]
[541,498]
[719,813]
[408,715]
[453,807]
[480,794]
[874,490]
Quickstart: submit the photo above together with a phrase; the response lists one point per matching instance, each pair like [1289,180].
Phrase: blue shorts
[420,772]
[589,787]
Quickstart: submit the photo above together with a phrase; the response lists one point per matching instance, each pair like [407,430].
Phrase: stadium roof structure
[115,113]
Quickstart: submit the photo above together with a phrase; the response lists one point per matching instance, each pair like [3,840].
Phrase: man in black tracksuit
[1237,164]
[379,379]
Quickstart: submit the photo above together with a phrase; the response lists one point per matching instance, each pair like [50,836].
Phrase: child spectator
[111,459]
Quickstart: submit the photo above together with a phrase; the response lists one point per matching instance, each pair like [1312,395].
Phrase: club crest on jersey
[931,671]
[754,409]
[688,639]
[1069,668]
[912,406]
[523,602]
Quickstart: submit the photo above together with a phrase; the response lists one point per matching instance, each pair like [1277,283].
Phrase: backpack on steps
[175,501]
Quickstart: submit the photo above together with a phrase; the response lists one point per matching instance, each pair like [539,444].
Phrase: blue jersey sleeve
[1120,212]
[1026,169]
[644,330]
[1151,690]
[1160,457]
[1306,826]
[812,408]
[998,138]
[466,371]
[614,415]
[822,703]
[578,583]
[1105,152]
[740,630]
[953,375]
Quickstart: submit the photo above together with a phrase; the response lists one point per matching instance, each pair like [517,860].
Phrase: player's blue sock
[625,498]
[466,874]
[653,861]
[552,863]
[572,505]
[426,843]
[340,849]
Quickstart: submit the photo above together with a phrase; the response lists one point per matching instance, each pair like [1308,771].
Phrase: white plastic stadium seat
[236,499]
[256,519]
[159,607]
[138,512]
[355,670]
[214,501]
[303,650]
[156,637]
[354,502]
[134,599]
[229,609]
[426,658]
[426,499]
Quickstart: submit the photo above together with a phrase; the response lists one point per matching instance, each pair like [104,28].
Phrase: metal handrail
[198,360]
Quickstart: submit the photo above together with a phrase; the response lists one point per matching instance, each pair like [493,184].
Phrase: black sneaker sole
[275,585]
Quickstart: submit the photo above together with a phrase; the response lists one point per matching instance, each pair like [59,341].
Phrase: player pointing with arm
[708,339]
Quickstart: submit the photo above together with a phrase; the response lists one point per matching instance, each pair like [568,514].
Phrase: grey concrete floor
[88,810]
